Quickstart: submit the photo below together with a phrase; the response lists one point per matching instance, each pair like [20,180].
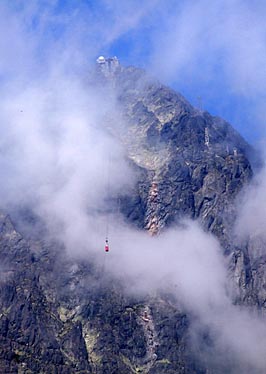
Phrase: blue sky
[213,50]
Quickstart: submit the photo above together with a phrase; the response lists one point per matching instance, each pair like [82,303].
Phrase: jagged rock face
[192,164]
[33,338]
[248,272]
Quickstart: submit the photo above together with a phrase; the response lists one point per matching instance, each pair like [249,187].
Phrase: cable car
[106,247]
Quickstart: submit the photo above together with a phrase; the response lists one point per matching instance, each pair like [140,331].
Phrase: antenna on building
[107,66]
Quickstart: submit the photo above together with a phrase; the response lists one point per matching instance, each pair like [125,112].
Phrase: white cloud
[225,38]
[189,263]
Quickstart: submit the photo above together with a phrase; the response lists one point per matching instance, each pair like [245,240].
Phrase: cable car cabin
[106,247]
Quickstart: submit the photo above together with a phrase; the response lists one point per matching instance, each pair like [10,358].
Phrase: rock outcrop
[192,164]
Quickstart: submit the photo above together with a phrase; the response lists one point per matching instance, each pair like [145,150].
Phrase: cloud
[56,153]
[226,37]
[216,50]
[252,211]
[127,16]
[189,263]
[250,224]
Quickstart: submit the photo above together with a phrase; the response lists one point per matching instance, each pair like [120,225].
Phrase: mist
[216,51]
[188,262]
[58,158]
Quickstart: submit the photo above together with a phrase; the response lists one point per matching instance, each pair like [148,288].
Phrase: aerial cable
[106,246]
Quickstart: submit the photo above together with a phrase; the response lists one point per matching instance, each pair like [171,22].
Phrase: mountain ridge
[81,320]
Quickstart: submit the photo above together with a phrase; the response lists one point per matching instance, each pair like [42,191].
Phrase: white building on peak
[107,66]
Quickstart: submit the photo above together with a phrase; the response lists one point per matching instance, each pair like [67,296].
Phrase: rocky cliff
[194,164]
[78,320]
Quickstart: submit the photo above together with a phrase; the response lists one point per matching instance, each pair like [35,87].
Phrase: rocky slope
[79,320]
[193,164]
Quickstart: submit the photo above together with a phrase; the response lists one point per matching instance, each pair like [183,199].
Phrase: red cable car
[106,247]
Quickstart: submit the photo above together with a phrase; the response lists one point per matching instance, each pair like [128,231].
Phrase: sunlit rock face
[67,315]
[194,164]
